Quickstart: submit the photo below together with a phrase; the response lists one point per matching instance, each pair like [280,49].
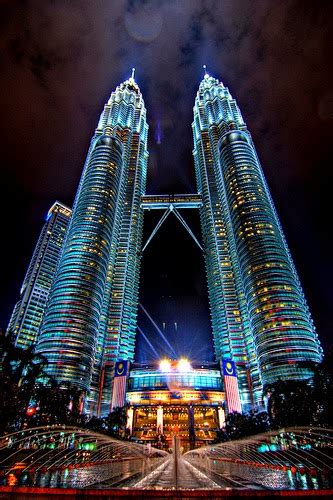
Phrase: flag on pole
[231,386]
[119,384]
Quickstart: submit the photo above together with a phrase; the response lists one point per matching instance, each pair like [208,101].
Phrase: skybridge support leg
[158,225]
[167,212]
[187,227]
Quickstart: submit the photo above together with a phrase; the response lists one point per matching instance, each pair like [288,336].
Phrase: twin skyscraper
[87,317]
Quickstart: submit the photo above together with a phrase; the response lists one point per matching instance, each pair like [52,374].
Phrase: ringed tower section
[125,115]
[246,248]
[77,336]
[216,113]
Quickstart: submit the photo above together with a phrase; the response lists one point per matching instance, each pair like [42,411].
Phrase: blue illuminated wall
[29,310]
[260,318]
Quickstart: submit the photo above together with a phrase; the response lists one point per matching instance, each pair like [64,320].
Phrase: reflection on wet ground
[76,458]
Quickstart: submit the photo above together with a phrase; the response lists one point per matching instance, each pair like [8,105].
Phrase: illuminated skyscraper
[90,320]
[260,318]
[28,312]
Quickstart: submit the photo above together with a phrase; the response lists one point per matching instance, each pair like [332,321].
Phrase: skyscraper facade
[29,310]
[90,320]
[260,318]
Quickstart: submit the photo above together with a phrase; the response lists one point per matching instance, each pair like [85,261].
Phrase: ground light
[184,365]
[165,365]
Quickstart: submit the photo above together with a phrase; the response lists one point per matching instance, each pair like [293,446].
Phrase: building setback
[29,310]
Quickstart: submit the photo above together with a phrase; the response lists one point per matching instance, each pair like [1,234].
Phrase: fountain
[287,459]
[55,457]
[59,456]
[176,473]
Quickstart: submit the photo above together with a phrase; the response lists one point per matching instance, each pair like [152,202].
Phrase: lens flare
[184,365]
[165,365]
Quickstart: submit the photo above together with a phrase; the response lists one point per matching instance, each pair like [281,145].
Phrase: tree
[57,403]
[322,383]
[323,391]
[96,424]
[116,421]
[261,422]
[239,425]
[20,368]
[290,403]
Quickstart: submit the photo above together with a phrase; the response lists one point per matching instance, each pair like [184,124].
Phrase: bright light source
[183,365]
[165,365]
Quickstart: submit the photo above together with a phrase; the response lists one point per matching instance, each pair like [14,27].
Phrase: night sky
[59,62]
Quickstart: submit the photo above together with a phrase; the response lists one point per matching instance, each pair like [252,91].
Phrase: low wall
[23,493]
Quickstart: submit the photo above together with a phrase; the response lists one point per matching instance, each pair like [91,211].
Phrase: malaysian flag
[119,384]
[231,386]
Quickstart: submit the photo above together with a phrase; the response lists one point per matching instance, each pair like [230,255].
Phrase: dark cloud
[59,61]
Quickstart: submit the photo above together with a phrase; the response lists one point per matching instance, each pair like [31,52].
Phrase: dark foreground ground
[23,493]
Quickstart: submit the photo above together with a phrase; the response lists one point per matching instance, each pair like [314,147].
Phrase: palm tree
[322,383]
[58,402]
[20,369]
[304,402]
[323,390]
[241,425]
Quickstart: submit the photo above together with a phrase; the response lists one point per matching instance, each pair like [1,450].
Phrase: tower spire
[133,73]
[205,71]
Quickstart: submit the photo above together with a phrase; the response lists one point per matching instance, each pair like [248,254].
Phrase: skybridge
[171,203]
[163,201]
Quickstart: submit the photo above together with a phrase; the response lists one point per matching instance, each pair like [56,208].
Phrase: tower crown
[209,81]
[130,84]
[125,108]
[129,91]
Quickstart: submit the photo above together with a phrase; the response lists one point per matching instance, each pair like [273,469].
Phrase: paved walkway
[187,477]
